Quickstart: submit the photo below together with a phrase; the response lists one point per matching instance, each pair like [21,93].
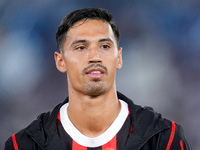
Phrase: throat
[94,128]
[93,121]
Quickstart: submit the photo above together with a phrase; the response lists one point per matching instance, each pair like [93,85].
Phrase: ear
[120,62]
[60,63]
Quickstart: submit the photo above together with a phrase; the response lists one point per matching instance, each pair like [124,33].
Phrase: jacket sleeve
[176,139]
[173,138]
[19,141]
[9,144]
[180,139]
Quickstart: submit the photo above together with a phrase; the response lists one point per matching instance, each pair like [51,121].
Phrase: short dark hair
[85,13]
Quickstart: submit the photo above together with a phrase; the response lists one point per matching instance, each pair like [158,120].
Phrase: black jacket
[150,132]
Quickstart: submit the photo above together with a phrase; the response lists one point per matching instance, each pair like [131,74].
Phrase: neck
[93,115]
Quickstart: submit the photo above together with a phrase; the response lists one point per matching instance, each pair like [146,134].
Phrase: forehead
[90,28]
[89,22]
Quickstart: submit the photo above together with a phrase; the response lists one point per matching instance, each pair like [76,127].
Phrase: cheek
[112,67]
[74,68]
[74,74]
[73,61]
[76,57]
[112,62]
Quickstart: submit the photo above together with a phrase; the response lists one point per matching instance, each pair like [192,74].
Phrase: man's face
[90,57]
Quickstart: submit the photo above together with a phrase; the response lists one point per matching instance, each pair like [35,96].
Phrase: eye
[105,46]
[80,48]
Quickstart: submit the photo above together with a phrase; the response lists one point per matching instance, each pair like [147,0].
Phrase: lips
[95,73]
[95,70]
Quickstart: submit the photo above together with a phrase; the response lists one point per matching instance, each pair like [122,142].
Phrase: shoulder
[167,133]
[39,129]
[22,139]
[44,125]
[173,138]
[178,137]
[150,126]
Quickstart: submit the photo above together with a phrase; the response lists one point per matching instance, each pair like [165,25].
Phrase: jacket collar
[145,122]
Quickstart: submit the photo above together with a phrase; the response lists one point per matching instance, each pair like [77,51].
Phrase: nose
[94,56]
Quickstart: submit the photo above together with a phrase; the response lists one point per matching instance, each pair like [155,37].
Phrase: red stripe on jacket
[15,142]
[171,136]
[181,144]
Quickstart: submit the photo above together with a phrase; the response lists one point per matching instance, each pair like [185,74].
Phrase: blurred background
[161,58]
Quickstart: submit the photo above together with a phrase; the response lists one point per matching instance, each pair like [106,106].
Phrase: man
[95,116]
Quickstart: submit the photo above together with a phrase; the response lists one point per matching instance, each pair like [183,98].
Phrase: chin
[95,89]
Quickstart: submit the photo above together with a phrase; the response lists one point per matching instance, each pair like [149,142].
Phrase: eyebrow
[107,39]
[79,41]
[84,41]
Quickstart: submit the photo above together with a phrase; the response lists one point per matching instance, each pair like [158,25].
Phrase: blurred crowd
[161,58]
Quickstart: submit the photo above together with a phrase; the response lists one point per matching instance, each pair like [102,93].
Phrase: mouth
[95,73]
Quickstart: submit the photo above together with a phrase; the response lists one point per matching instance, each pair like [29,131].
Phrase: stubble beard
[95,88]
